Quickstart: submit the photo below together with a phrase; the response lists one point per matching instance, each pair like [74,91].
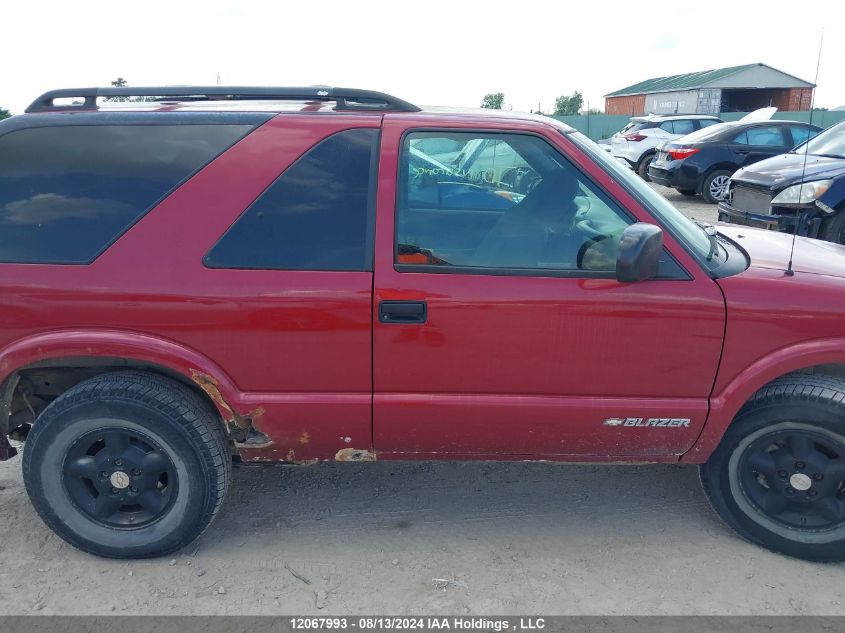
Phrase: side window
[668,126]
[506,201]
[315,216]
[67,192]
[683,126]
[741,138]
[800,133]
[766,135]
[702,123]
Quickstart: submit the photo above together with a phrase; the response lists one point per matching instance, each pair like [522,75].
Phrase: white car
[637,142]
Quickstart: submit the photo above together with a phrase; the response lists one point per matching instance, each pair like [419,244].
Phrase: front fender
[725,405]
[65,345]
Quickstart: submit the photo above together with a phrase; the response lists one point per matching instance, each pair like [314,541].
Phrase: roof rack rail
[346,98]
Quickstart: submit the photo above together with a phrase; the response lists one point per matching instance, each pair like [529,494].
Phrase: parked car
[637,142]
[703,162]
[808,183]
[284,275]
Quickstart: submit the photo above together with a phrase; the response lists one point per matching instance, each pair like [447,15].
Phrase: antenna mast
[789,271]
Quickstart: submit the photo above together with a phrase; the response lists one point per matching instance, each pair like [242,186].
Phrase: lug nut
[133,489]
[104,475]
[798,465]
[118,462]
[136,472]
[114,490]
[790,490]
[812,493]
[782,474]
[818,476]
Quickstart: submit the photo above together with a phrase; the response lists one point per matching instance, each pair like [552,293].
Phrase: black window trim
[372,196]
[117,122]
[505,271]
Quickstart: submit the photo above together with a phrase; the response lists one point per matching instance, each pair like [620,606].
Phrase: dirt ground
[423,538]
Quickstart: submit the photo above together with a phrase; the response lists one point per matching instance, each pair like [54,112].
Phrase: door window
[800,133]
[770,135]
[503,201]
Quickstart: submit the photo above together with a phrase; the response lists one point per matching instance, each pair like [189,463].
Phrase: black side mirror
[639,252]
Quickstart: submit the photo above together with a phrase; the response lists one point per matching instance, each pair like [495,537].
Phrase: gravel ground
[424,538]
[692,206]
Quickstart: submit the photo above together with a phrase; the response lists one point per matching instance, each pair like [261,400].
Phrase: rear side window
[315,216]
[67,192]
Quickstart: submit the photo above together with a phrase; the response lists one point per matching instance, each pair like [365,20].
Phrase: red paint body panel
[534,365]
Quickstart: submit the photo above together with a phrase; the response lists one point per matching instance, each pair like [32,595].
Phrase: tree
[569,105]
[120,82]
[493,101]
[4,114]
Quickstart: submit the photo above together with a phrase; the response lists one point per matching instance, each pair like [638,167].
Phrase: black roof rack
[346,98]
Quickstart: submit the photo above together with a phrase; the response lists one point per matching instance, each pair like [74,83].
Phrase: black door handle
[399,312]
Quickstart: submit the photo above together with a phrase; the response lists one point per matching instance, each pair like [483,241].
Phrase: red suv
[298,274]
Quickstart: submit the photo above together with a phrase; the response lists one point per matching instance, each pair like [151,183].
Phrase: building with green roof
[734,89]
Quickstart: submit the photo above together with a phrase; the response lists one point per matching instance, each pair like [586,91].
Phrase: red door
[499,328]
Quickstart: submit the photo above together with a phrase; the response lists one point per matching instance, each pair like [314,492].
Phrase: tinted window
[683,126]
[668,126]
[769,135]
[703,123]
[512,202]
[313,217]
[801,133]
[831,142]
[66,192]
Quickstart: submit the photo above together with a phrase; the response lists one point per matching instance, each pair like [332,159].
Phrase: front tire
[778,475]
[127,465]
[833,230]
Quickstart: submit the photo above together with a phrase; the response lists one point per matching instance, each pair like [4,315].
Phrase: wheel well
[719,167]
[30,390]
[834,370]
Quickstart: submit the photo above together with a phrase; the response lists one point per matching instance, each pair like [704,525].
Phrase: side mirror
[639,252]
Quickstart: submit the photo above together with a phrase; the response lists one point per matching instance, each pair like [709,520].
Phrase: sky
[430,52]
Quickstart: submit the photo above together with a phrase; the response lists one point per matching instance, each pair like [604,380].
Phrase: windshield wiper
[710,232]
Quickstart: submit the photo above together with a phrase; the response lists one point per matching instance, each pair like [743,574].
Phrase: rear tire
[714,187]
[642,166]
[778,475]
[127,465]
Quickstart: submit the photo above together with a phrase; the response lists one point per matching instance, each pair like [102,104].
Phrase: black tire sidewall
[45,454]
[832,229]
[642,166]
[716,479]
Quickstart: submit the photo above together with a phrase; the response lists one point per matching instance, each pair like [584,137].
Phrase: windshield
[831,142]
[692,235]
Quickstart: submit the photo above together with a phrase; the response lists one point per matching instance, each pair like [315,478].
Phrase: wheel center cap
[120,479]
[799,481]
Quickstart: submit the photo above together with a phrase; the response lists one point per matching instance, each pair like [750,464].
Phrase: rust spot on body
[305,437]
[212,388]
[354,455]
